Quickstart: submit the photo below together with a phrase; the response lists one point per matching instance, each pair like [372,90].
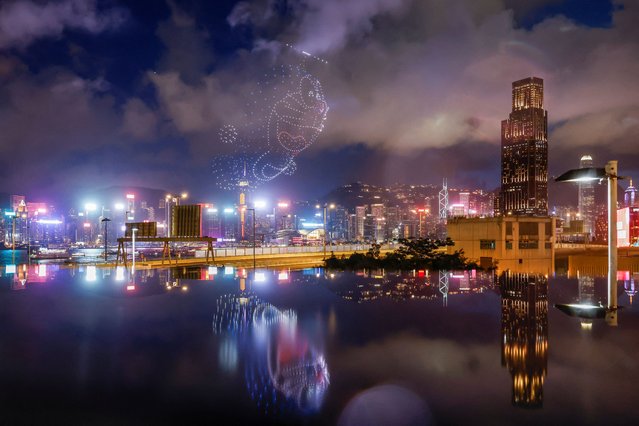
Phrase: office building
[524,152]
[587,200]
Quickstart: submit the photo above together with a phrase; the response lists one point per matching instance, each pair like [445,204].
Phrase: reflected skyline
[291,348]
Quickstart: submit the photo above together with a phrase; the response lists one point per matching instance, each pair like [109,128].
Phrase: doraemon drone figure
[286,120]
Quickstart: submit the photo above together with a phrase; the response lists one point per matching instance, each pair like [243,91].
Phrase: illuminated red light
[130,288]
[421,273]
[130,196]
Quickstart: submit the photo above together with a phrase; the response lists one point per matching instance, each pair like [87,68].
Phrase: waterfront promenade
[265,257]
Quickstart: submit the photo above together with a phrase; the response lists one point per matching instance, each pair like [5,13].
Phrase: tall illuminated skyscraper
[524,152]
[587,199]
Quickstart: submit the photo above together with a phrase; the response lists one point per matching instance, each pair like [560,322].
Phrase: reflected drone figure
[280,360]
[286,116]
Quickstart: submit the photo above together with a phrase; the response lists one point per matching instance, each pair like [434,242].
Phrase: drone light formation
[285,115]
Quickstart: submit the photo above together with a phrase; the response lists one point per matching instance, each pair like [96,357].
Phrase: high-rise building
[630,196]
[587,199]
[524,152]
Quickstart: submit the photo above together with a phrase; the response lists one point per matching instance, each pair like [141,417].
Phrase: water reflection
[19,276]
[371,286]
[284,370]
[629,287]
[524,327]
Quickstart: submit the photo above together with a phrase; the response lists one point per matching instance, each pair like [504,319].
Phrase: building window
[487,244]
[509,245]
[548,245]
[532,244]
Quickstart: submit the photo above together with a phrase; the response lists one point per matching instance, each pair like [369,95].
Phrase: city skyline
[80,112]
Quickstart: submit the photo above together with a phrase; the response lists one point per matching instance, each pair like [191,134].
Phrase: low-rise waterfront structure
[516,243]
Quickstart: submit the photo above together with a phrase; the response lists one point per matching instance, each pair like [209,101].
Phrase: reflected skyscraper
[587,198]
[586,289]
[524,152]
[629,287]
[524,326]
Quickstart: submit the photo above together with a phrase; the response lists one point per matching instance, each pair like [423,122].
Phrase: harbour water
[87,345]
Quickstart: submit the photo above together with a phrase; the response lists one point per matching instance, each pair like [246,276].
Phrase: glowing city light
[119,206]
[130,196]
[228,270]
[49,221]
[92,274]
[260,277]
[119,273]
[260,204]
[10,269]
[90,207]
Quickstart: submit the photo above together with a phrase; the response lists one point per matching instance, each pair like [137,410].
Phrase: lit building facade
[524,152]
[587,199]
[514,243]
[630,196]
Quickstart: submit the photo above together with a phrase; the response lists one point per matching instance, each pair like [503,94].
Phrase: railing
[261,251]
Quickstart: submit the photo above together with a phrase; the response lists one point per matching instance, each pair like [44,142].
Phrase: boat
[45,253]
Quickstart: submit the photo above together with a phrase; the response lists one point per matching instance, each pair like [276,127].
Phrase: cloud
[187,46]
[422,74]
[139,120]
[61,131]
[419,78]
[24,21]
[407,79]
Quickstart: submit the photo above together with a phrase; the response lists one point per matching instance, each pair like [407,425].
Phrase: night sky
[96,94]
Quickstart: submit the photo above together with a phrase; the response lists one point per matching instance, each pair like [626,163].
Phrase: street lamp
[592,174]
[106,221]
[133,231]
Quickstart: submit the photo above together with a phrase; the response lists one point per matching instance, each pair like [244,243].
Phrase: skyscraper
[587,199]
[524,152]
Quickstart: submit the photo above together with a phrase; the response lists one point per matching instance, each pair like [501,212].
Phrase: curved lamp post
[106,221]
[591,174]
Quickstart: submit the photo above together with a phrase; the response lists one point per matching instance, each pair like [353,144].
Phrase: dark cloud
[23,21]
[420,75]
[408,82]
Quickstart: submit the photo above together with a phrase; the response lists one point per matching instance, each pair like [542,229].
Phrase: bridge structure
[166,248]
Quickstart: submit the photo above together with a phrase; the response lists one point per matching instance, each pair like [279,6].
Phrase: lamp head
[587,174]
